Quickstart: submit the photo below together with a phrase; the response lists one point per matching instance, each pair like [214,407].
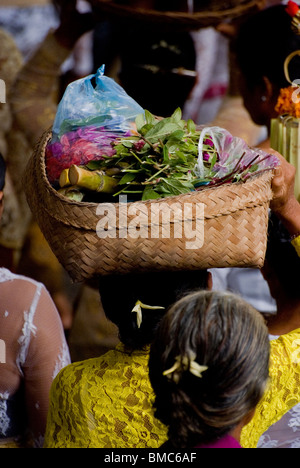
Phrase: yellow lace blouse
[283,391]
[104,402]
[296,244]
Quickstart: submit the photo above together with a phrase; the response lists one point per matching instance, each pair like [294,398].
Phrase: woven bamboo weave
[211,15]
[215,227]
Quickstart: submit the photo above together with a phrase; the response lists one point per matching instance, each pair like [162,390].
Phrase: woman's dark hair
[2,172]
[264,42]
[119,294]
[282,258]
[228,336]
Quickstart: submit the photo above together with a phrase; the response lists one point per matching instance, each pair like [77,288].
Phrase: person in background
[35,350]
[284,203]
[261,62]
[210,376]
[159,74]
[286,207]
[12,231]
[232,113]
[276,423]
[36,88]
[261,76]
[33,88]
[27,22]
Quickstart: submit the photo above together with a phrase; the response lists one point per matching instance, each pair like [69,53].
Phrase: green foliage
[160,160]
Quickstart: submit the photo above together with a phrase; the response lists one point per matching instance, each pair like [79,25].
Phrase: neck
[287,317]
[236,433]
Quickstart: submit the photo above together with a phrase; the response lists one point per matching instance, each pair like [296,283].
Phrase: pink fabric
[225,442]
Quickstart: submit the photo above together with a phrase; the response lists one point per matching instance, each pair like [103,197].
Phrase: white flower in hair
[182,364]
[138,310]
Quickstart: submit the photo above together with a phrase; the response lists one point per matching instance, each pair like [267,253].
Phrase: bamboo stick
[64,180]
[92,180]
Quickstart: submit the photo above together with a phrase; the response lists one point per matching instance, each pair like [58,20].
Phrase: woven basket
[217,12]
[215,227]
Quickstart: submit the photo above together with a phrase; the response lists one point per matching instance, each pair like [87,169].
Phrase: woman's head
[120,294]
[225,335]
[263,43]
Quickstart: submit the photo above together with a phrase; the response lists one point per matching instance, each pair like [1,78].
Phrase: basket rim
[47,138]
[178,17]
[187,197]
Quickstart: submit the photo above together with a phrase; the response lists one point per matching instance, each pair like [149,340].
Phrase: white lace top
[33,350]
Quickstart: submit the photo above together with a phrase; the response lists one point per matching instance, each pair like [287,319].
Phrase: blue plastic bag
[88,120]
[105,105]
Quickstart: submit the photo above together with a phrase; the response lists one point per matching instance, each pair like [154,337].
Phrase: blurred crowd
[45,45]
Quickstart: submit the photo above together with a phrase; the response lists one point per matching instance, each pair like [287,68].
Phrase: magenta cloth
[225,442]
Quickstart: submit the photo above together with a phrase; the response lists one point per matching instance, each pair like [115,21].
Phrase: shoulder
[21,288]
[77,371]
[7,276]
[112,365]
[77,380]
[285,356]
[289,342]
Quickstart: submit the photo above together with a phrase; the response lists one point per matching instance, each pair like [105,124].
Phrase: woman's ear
[267,88]
[268,95]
